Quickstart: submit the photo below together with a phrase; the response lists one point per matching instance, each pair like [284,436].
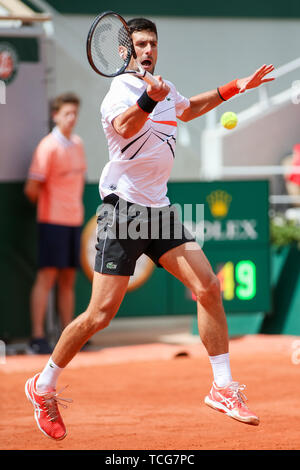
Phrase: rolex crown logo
[219,202]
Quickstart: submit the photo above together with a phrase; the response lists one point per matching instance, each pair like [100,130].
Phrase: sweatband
[229,90]
[146,103]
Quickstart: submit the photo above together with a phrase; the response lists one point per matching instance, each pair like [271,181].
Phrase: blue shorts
[58,246]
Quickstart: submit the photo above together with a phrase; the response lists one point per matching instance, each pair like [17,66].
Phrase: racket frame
[144,74]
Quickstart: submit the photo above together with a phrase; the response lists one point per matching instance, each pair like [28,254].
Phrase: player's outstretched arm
[204,102]
[201,104]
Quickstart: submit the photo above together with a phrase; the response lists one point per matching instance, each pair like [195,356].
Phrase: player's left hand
[256,79]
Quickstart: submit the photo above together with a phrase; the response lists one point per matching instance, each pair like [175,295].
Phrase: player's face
[66,117]
[145,45]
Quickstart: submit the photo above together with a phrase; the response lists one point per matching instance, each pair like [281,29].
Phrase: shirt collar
[61,138]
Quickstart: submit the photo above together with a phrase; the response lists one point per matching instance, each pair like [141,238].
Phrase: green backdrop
[218,8]
[277,292]
[18,239]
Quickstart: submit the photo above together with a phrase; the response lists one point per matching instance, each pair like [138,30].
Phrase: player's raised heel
[46,411]
[231,401]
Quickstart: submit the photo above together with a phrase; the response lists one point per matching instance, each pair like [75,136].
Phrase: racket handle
[150,79]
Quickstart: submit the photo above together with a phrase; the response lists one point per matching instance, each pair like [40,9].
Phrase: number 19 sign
[237,243]
[239,280]
[244,278]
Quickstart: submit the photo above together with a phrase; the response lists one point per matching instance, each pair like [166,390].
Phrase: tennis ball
[229,120]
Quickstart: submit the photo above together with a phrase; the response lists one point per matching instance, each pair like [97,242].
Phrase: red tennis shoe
[46,411]
[231,401]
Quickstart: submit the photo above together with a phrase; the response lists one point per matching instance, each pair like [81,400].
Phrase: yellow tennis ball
[229,120]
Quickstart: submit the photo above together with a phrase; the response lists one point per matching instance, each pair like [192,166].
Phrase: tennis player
[140,122]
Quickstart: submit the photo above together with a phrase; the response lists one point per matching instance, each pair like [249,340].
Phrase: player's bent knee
[102,321]
[98,320]
[211,293]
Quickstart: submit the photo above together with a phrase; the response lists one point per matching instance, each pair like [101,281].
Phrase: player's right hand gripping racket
[110,48]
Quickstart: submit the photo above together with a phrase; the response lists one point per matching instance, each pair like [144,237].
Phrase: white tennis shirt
[139,167]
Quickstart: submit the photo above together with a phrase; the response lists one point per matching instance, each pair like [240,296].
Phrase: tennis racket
[110,48]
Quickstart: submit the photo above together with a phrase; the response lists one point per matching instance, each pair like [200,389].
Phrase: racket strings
[111,46]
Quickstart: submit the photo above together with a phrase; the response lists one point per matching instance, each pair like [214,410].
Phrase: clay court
[150,396]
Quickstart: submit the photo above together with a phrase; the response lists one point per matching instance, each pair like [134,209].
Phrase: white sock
[221,369]
[48,378]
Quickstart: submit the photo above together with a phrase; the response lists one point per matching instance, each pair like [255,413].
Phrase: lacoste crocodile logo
[111,265]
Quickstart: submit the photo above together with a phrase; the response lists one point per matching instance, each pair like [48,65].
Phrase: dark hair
[65,98]
[141,24]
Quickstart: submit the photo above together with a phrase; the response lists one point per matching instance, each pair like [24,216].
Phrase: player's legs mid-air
[187,262]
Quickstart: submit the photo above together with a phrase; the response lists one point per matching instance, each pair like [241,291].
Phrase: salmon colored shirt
[60,164]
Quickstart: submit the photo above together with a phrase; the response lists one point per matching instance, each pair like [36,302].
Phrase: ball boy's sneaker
[40,346]
[46,411]
[231,400]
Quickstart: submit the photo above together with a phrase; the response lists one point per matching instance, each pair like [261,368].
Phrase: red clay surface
[144,398]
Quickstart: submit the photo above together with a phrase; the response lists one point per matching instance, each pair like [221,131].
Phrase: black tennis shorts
[58,246]
[126,230]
